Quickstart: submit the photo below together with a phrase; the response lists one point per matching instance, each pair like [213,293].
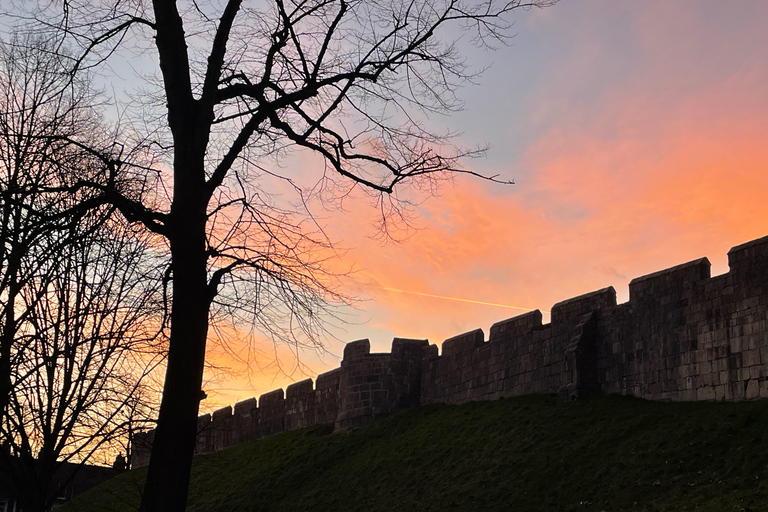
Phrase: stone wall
[682,335]
[686,336]
[302,405]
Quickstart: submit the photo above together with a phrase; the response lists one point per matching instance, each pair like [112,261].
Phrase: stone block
[721,392]
[706,393]
[245,407]
[246,421]
[752,389]
[750,357]
[272,398]
[405,348]
[689,395]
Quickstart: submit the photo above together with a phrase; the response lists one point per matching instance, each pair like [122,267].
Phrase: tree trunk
[173,447]
[11,255]
[7,338]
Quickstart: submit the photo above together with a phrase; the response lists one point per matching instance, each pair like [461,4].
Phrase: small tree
[348,80]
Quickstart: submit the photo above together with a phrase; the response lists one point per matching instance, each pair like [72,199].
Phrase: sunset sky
[637,136]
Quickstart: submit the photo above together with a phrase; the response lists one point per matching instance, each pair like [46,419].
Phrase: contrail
[461,300]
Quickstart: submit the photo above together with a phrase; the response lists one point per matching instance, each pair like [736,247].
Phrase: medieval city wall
[683,335]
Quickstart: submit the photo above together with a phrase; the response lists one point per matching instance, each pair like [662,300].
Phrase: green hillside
[531,453]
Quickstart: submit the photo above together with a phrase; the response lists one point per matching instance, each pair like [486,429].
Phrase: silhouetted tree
[85,347]
[80,307]
[348,80]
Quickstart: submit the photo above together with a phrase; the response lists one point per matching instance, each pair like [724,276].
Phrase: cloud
[655,170]
[640,146]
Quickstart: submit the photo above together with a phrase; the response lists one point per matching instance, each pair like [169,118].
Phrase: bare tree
[34,107]
[349,80]
[78,299]
[84,350]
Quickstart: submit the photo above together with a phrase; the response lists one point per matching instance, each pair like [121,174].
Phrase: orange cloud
[617,189]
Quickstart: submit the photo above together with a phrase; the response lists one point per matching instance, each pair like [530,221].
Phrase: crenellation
[749,259]
[222,428]
[356,350]
[246,419]
[300,405]
[271,413]
[142,448]
[360,371]
[569,309]
[299,389]
[660,286]
[682,336]
[463,343]
[515,327]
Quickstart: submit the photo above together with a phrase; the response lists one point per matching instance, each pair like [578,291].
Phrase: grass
[531,453]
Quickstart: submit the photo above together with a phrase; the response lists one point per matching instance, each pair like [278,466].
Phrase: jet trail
[459,299]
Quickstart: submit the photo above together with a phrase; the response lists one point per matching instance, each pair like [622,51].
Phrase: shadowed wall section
[682,335]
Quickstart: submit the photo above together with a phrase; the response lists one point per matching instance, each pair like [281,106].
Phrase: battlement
[463,343]
[567,310]
[515,327]
[749,255]
[683,335]
[659,286]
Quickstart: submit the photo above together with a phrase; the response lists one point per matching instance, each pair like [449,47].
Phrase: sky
[636,135]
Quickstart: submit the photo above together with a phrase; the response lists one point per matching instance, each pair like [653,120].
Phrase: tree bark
[173,447]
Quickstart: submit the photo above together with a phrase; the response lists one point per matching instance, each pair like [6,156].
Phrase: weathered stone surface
[222,428]
[300,405]
[327,396]
[356,349]
[458,345]
[515,327]
[577,306]
[675,280]
[373,385]
[246,420]
[271,413]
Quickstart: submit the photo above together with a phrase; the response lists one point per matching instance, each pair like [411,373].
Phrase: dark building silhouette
[69,480]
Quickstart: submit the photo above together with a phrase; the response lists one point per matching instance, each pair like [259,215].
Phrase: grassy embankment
[531,453]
